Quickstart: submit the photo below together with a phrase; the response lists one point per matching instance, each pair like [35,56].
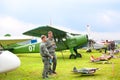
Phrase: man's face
[45,39]
[50,35]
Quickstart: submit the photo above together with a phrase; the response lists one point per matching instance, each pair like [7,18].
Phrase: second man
[51,48]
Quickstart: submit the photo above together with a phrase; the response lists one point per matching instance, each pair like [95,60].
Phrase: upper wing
[43,30]
[10,40]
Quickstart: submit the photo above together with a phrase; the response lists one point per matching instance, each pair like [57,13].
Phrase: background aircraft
[86,71]
[8,60]
[62,39]
[102,59]
[97,45]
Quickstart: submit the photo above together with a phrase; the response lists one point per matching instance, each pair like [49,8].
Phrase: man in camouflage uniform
[45,56]
[51,48]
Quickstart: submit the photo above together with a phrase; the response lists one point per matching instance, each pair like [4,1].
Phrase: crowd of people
[109,51]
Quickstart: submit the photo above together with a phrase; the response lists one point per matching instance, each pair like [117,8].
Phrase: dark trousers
[53,65]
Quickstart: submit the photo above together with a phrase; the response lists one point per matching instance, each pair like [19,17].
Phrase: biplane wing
[43,30]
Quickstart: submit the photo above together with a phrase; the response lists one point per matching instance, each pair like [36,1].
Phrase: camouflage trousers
[46,67]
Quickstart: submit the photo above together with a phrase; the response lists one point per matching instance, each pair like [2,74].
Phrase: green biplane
[62,39]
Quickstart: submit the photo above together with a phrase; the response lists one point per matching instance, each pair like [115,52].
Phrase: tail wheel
[72,56]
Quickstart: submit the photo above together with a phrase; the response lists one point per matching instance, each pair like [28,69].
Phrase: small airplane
[64,40]
[86,71]
[102,59]
[97,45]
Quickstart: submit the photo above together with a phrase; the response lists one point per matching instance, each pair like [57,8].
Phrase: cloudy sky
[103,16]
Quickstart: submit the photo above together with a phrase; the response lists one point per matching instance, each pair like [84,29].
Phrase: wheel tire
[89,50]
[79,55]
[72,56]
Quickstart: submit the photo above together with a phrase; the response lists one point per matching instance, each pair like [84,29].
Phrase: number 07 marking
[31,48]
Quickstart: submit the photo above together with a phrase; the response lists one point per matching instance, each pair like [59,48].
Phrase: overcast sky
[103,16]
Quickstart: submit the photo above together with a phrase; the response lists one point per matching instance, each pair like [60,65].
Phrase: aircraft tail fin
[92,58]
[75,69]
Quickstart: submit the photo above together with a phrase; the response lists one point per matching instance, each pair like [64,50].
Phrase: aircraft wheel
[72,56]
[79,55]
[100,51]
[88,50]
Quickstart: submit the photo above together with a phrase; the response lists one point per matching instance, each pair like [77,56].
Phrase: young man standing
[45,56]
[51,48]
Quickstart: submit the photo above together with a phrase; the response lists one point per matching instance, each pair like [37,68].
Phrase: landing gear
[72,56]
[89,50]
[76,52]
[79,55]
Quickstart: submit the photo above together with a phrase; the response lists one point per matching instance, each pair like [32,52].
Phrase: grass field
[31,68]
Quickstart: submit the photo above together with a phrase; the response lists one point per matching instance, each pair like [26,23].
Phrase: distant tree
[7,35]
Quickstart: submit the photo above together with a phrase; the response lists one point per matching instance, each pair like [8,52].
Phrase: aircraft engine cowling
[77,41]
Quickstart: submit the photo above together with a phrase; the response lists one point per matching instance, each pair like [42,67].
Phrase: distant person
[112,48]
[45,56]
[106,46]
[51,45]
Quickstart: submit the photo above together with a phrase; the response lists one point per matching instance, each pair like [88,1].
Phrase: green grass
[31,68]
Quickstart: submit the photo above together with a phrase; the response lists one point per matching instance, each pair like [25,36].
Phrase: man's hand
[53,43]
[51,57]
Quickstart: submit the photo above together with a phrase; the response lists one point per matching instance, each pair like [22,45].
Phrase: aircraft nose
[83,39]
[8,61]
